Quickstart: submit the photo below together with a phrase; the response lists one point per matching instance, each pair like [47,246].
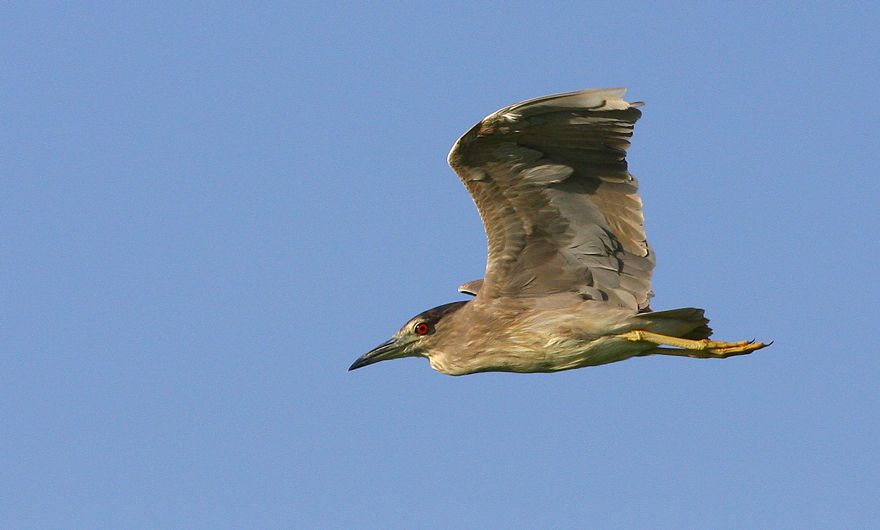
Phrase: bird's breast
[532,341]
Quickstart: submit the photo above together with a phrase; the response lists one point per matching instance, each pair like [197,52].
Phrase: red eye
[422,328]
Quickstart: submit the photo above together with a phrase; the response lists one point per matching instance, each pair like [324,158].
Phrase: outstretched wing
[561,211]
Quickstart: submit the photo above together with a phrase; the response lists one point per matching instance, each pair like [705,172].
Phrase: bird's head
[414,339]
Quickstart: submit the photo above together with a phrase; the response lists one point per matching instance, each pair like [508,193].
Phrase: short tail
[685,323]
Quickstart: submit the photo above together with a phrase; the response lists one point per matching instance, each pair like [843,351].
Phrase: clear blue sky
[208,212]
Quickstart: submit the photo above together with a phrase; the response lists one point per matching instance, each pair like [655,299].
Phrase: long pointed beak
[390,349]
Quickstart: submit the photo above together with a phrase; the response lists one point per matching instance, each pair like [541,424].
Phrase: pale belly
[553,356]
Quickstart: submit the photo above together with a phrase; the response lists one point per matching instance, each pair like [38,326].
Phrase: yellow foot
[703,349]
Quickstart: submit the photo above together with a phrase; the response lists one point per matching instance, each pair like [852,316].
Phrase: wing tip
[598,99]
[591,98]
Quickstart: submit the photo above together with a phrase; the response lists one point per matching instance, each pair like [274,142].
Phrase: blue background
[210,210]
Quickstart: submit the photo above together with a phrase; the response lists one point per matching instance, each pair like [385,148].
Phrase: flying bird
[568,272]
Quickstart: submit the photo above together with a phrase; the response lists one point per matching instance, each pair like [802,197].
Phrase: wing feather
[561,210]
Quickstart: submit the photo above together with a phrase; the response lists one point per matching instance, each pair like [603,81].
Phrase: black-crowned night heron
[568,275]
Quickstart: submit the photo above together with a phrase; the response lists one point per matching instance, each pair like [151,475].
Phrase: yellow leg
[703,349]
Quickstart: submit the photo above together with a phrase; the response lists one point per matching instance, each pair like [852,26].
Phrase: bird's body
[527,336]
[568,276]
[516,336]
